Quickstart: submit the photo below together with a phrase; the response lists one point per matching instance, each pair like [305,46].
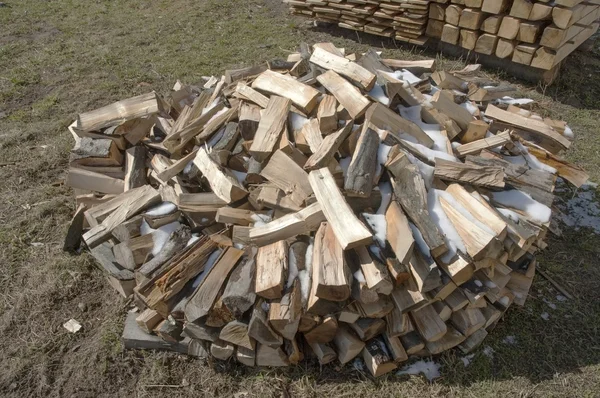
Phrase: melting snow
[510,340]
[430,369]
[545,316]
[582,210]
[466,360]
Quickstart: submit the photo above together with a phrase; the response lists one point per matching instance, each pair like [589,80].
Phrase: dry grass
[58,58]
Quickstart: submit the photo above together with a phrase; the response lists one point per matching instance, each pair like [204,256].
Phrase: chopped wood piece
[239,295]
[75,231]
[324,353]
[148,319]
[323,333]
[302,95]
[284,316]
[260,330]
[236,332]
[489,177]
[206,293]
[270,127]
[288,176]
[221,350]
[375,355]
[121,111]
[268,356]
[428,323]
[349,231]
[332,275]
[344,67]
[346,94]
[361,172]
[367,328]
[222,181]
[327,115]
[329,146]
[374,272]
[397,351]
[410,192]
[399,234]
[271,269]
[290,225]
[347,345]
[129,205]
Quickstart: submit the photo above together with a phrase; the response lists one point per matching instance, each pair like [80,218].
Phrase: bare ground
[60,57]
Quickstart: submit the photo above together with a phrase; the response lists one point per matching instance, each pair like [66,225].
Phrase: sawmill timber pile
[318,207]
[540,34]
[403,20]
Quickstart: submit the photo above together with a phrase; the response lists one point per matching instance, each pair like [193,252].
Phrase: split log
[349,231]
[410,193]
[271,269]
[332,277]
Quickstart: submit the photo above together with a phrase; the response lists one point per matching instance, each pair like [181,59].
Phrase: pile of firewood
[318,206]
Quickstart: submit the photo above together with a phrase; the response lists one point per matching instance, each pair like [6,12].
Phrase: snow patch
[516,199]
[545,316]
[510,340]
[466,360]
[386,197]
[488,351]
[379,95]
[430,369]
[378,226]
[581,210]
[162,209]
[292,267]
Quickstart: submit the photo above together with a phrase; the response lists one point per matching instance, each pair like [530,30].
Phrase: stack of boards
[404,20]
[318,207]
[536,33]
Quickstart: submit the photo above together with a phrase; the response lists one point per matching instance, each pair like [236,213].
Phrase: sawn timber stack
[318,207]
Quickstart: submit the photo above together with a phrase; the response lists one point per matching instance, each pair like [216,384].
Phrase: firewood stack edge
[327,205]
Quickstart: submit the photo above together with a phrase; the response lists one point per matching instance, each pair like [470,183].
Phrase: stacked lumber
[536,33]
[404,20]
[318,207]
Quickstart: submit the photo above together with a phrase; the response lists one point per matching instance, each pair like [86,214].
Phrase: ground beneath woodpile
[60,57]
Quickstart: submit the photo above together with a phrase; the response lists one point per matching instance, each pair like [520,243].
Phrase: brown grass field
[62,57]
